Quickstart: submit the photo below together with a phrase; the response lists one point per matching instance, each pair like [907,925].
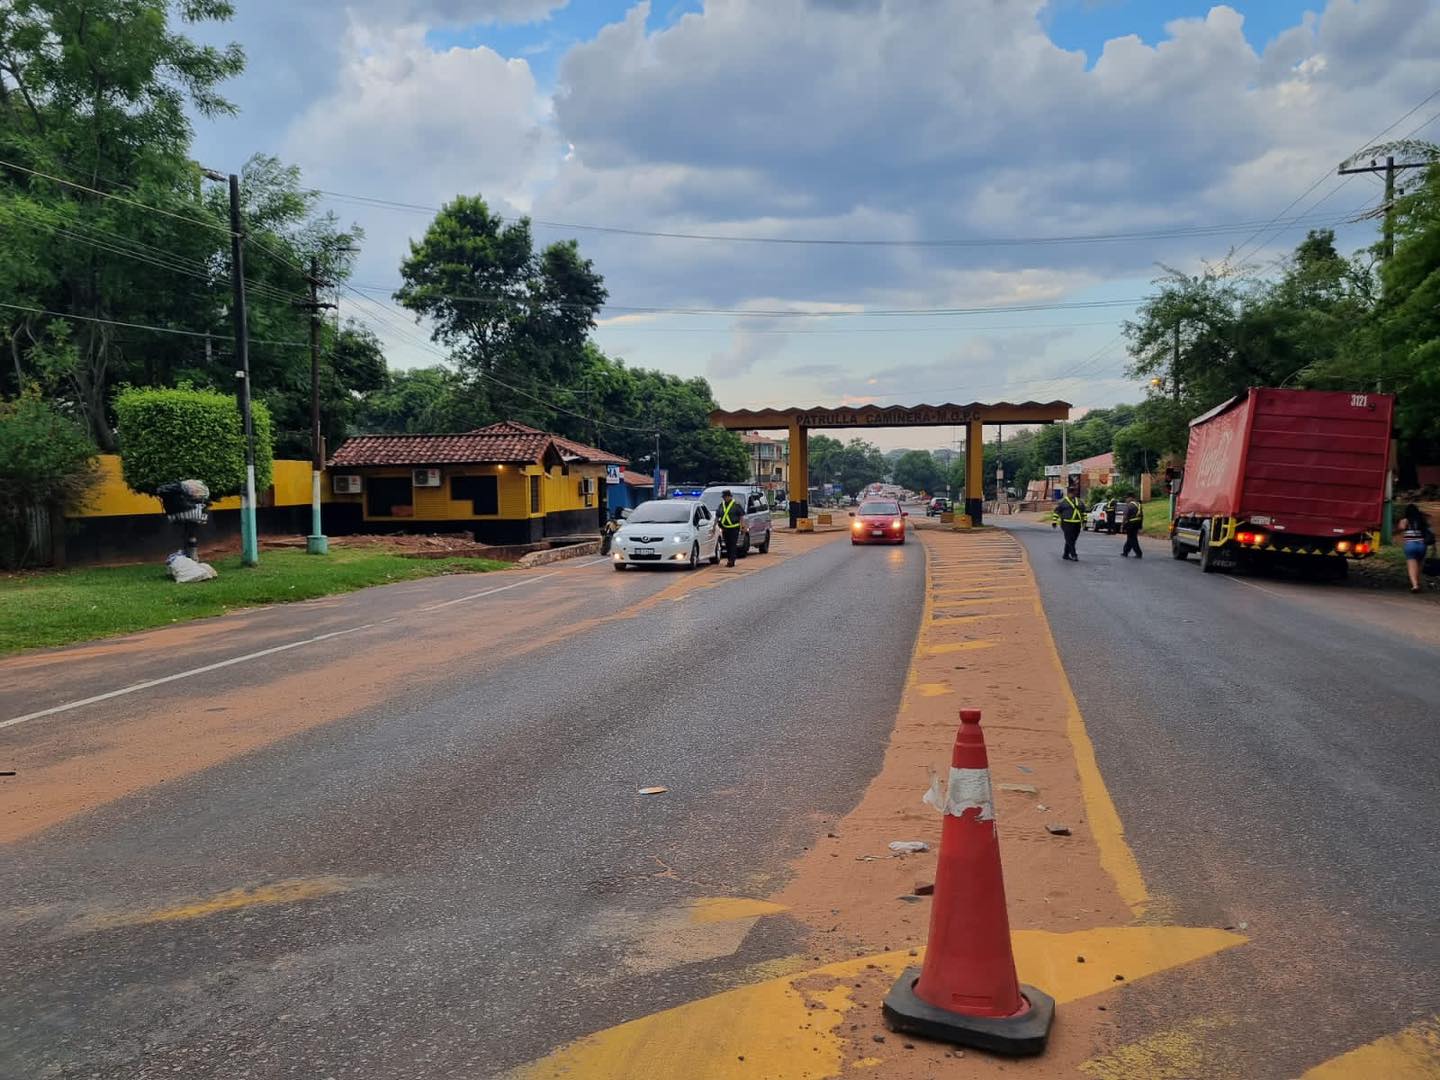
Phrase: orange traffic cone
[967,992]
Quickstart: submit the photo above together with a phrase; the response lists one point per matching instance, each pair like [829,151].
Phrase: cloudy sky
[992,183]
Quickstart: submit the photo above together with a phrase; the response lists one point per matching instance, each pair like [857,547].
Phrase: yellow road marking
[790,1027]
[933,689]
[956,646]
[281,892]
[975,600]
[1176,1054]
[1412,1054]
[717,909]
[1115,854]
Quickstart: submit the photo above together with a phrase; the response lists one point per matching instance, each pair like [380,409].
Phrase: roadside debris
[926,888]
[1056,829]
[653,790]
[1021,789]
[909,847]
[185,569]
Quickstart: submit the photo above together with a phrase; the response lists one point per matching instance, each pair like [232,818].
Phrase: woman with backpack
[1417,539]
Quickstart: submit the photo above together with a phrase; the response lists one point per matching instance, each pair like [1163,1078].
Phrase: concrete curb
[570,551]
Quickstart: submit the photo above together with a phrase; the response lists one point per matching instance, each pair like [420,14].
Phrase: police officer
[1071,514]
[1133,518]
[731,516]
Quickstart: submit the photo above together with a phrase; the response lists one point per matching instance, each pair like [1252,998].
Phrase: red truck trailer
[1281,475]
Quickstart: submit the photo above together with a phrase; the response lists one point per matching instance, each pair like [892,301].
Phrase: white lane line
[487,592]
[149,683]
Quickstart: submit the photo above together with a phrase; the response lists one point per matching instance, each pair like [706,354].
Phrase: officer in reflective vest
[1071,513]
[731,517]
[1134,518]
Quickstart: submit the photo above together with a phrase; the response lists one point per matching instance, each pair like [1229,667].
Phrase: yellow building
[506,484]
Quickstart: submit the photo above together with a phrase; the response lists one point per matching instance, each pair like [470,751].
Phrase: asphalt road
[1272,747]
[484,881]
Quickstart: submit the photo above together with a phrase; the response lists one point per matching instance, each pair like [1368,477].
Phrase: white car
[666,532]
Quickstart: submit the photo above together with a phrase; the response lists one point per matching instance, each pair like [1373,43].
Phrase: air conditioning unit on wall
[425,477]
[345,485]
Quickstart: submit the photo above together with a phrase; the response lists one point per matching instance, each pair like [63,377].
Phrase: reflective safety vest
[726,521]
[1071,515]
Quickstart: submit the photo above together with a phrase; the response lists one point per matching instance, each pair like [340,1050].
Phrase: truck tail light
[1261,539]
[1362,548]
[1245,537]
[1343,546]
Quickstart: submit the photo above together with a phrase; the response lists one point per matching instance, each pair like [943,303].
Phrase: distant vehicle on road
[937,506]
[878,521]
[667,532]
[1285,476]
[756,530]
[1101,517]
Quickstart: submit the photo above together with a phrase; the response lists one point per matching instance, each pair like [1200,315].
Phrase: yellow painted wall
[558,492]
[112,498]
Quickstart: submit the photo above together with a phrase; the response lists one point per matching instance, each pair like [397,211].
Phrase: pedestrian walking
[1133,516]
[1417,539]
[1071,512]
[731,516]
[607,534]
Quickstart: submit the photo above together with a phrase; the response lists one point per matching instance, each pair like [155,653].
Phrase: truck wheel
[1207,557]
[1178,550]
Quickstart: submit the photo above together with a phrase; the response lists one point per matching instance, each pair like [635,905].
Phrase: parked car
[937,506]
[878,521]
[666,532]
[755,532]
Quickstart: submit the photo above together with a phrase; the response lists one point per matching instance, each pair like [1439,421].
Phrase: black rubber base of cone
[1019,1036]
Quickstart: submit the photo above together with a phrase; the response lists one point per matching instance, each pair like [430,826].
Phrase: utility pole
[249,535]
[1064,458]
[658,493]
[316,543]
[1387,252]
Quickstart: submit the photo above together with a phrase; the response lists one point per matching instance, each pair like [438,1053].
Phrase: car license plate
[644,551]
[877,532]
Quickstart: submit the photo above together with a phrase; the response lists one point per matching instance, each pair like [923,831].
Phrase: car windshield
[659,513]
[879,509]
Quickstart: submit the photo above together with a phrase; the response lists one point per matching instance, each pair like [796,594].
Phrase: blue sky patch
[1088,24]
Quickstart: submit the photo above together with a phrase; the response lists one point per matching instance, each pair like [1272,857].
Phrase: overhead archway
[975,415]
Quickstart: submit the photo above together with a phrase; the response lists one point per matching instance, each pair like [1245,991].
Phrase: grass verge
[59,607]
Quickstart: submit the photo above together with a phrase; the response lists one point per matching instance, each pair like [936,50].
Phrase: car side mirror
[625,513]
[852,513]
[904,513]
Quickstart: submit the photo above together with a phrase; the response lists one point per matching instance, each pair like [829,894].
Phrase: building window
[389,496]
[483,493]
[534,494]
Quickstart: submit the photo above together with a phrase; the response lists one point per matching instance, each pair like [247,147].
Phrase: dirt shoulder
[985,644]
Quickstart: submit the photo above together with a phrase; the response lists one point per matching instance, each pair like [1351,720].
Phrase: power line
[1327,173]
[402,328]
[146,326]
[782,313]
[1158,233]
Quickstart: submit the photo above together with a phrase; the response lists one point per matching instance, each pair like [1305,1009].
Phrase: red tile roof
[590,454]
[471,448]
[636,479]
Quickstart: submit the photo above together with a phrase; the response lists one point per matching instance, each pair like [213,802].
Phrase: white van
[756,530]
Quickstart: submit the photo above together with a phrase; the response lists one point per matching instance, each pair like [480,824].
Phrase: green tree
[517,322]
[918,471]
[99,91]
[47,465]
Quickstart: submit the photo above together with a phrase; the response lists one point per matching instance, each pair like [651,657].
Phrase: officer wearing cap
[731,517]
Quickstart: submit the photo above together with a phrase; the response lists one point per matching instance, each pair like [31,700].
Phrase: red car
[878,521]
